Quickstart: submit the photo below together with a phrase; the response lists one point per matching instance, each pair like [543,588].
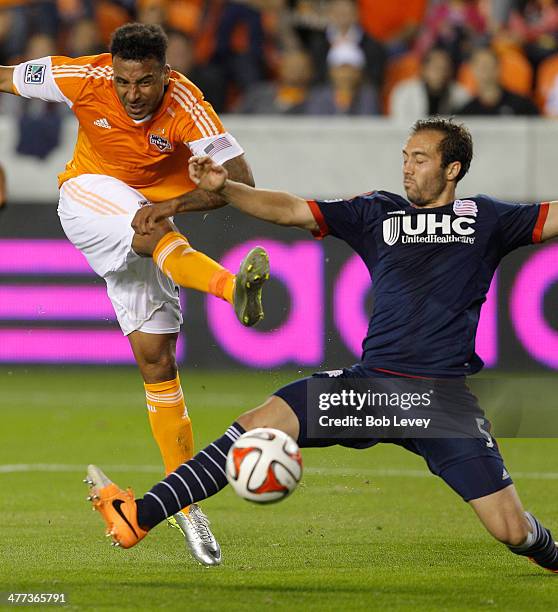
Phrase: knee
[274,413]
[155,355]
[160,229]
[251,420]
[158,368]
[159,373]
[145,244]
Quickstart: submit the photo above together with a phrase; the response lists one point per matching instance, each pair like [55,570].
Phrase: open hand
[206,174]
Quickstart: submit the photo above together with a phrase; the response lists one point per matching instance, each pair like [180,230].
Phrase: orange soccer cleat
[117,507]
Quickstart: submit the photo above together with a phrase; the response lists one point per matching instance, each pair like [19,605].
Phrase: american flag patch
[465,208]
[217,145]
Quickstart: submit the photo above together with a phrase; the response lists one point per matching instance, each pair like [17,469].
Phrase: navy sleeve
[520,224]
[344,219]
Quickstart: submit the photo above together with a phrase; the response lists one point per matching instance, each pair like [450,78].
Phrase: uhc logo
[428,228]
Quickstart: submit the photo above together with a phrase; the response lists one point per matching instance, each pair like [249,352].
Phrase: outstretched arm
[7,79]
[238,170]
[550,229]
[199,200]
[277,207]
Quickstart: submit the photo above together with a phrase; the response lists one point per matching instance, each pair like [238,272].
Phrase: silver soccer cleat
[195,528]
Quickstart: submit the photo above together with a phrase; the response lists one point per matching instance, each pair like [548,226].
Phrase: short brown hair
[139,42]
[456,145]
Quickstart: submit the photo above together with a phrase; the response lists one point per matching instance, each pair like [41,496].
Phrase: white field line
[193,399]
[335,471]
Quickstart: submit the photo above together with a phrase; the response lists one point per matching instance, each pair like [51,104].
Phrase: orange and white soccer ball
[264,465]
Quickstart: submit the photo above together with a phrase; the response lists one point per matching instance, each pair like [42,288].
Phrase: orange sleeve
[72,74]
[198,119]
[57,78]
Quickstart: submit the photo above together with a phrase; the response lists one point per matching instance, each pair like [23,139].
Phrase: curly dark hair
[139,41]
[456,145]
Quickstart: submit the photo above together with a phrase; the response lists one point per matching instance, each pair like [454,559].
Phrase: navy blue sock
[540,545]
[200,477]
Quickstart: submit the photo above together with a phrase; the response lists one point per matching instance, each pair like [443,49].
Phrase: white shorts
[96,213]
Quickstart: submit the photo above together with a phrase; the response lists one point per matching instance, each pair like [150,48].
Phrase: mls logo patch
[35,74]
[161,143]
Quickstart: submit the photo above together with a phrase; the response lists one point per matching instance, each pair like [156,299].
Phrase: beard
[426,193]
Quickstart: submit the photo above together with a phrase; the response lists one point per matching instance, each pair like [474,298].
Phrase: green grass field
[365,529]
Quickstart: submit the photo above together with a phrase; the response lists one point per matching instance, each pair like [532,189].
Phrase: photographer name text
[371,421]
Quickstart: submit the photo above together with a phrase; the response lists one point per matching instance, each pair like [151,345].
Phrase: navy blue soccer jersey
[431,270]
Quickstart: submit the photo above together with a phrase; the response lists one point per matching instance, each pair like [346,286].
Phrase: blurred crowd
[316,57]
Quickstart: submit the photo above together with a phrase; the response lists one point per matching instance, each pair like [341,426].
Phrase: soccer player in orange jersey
[139,123]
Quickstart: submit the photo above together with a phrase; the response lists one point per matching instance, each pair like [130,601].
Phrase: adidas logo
[505,474]
[102,123]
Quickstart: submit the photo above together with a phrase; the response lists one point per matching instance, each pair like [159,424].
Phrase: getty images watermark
[346,408]
[366,408]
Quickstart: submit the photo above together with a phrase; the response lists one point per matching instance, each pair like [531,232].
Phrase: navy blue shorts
[472,467]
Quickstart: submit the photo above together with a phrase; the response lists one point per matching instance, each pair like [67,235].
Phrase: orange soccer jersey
[150,156]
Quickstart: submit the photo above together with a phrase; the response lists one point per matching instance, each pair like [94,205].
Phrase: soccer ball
[264,465]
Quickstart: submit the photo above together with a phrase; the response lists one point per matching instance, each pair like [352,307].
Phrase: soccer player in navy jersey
[433,257]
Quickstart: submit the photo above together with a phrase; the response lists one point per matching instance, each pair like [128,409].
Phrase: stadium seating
[399,69]
[546,76]
[516,73]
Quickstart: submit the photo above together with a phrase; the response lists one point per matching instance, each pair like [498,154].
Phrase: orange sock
[170,423]
[190,268]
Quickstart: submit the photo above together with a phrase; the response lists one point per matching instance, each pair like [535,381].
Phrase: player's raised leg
[505,519]
[128,520]
[192,269]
